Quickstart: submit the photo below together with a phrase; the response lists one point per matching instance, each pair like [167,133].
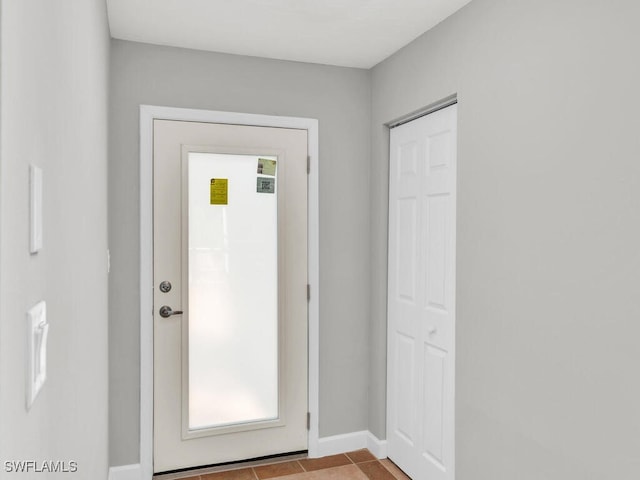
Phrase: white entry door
[230,292]
[421,296]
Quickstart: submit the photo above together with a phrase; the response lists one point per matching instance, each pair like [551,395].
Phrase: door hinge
[308,292]
[308,164]
[308,420]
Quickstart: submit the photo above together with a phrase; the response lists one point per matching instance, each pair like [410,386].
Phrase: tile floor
[358,465]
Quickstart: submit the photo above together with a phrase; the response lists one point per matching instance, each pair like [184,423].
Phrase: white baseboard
[126,472]
[376,446]
[352,441]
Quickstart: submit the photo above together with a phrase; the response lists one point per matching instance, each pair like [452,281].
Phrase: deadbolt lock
[165,286]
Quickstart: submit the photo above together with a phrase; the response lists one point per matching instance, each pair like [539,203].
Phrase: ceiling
[350,33]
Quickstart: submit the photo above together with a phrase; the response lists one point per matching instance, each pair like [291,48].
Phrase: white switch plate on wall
[37,333]
[35,183]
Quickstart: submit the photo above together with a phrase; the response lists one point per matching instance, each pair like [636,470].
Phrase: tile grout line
[358,465]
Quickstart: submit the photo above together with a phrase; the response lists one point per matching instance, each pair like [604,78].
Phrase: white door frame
[148,114]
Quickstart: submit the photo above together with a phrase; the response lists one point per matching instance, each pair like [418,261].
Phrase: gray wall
[54,114]
[548,232]
[340,99]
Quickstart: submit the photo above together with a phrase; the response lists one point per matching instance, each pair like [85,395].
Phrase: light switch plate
[37,333]
[35,182]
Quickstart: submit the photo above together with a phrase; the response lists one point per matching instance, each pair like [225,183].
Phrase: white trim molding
[148,114]
[126,472]
[376,446]
[349,442]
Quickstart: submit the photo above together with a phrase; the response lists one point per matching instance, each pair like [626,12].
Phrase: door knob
[166,311]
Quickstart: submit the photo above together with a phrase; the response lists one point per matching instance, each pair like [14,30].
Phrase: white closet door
[421,296]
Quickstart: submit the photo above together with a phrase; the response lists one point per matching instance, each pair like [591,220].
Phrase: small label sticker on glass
[266,185]
[266,167]
[219,191]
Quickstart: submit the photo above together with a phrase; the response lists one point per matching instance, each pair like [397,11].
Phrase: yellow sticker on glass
[219,191]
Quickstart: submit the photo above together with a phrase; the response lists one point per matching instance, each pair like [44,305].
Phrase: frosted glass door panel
[232,291]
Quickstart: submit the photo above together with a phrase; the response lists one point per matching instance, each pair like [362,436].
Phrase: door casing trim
[149,113]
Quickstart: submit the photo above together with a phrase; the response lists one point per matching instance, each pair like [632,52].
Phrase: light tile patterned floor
[358,465]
